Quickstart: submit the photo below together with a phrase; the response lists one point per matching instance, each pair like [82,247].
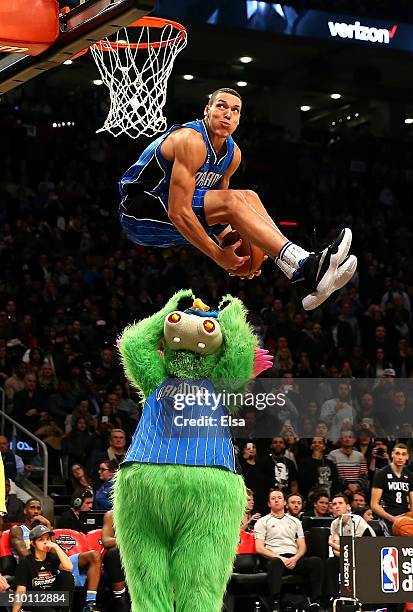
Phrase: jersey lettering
[398,486]
[207,179]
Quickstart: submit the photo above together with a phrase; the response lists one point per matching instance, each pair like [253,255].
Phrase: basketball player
[392,492]
[178,193]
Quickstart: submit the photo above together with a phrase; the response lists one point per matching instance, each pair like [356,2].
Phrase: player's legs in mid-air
[323,272]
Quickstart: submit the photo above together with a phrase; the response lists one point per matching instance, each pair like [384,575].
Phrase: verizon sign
[356,31]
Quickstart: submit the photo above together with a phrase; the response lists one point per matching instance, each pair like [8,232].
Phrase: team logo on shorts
[389,569]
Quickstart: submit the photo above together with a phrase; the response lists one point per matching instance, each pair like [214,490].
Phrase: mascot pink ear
[262,361]
[118,342]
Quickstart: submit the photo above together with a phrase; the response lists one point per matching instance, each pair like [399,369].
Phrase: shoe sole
[337,252]
[315,299]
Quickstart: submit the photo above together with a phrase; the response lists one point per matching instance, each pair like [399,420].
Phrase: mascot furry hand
[178,501]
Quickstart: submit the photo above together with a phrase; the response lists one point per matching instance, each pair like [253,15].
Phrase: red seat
[94,541]
[7,561]
[246,543]
[71,541]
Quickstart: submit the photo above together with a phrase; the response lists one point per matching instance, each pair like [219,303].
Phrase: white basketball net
[137,76]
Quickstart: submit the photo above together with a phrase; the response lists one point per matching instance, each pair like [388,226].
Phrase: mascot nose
[191,332]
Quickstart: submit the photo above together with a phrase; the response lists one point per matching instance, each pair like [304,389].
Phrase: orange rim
[149,22]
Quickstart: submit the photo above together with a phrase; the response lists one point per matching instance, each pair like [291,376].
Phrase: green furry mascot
[178,500]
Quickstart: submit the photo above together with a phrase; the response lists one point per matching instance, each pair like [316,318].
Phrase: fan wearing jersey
[178,192]
[392,492]
[178,497]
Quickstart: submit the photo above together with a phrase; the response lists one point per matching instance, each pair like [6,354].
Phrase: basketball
[403,526]
[246,248]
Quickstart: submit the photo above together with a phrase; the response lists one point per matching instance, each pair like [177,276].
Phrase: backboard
[84,25]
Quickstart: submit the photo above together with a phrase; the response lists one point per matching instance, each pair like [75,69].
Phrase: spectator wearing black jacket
[278,471]
[14,506]
[316,472]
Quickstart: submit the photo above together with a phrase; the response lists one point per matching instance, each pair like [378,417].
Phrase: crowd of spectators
[71,281]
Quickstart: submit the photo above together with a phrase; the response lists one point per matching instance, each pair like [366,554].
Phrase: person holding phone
[47,567]
[380,457]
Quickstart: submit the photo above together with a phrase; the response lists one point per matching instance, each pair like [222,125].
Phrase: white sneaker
[345,272]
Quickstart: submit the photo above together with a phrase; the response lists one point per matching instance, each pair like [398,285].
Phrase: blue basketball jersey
[178,430]
[152,172]
[25,538]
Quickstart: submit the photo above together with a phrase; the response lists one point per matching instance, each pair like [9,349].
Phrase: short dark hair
[214,94]
[32,499]
[278,489]
[295,495]
[320,494]
[343,495]
[111,463]
[400,445]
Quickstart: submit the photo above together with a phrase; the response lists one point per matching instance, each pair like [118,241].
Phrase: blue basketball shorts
[79,575]
[144,219]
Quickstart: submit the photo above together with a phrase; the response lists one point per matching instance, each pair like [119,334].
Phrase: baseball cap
[40,530]
[389,372]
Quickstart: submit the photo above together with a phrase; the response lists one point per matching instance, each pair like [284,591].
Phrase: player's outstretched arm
[188,152]
[139,347]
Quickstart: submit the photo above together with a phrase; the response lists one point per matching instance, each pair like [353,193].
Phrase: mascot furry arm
[178,499]
[139,346]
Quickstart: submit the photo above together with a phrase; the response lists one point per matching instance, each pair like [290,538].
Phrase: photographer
[47,567]
[379,456]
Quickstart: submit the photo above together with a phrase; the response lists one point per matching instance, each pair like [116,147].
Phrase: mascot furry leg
[178,525]
[178,501]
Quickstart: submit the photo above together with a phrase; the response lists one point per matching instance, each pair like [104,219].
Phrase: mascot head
[194,339]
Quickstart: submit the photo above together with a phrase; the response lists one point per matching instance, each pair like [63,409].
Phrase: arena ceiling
[311,67]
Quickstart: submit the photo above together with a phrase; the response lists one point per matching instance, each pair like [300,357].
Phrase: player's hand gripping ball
[246,248]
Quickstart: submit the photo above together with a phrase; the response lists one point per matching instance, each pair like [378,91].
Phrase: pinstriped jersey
[152,172]
[174,429]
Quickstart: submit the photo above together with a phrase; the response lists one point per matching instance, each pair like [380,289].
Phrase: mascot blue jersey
[176,430]
[144,190]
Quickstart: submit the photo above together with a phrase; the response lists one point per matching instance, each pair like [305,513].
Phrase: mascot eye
[174,317]
[209,326]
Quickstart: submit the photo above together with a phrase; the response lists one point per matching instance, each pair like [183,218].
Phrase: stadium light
[97,82]
[305,108]
[335,96]
[246,59]
[188,77]
[408,120]
[242,83]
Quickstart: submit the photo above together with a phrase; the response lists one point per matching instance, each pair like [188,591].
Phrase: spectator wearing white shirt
[279,538]
[345,525]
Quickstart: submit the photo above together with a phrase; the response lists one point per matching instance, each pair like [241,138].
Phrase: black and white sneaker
[320,269]
[345,273]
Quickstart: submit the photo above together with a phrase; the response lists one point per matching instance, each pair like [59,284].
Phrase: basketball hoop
[136,73]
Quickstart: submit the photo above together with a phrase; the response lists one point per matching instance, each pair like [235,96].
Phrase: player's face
[223,115]
[400,457]
[33,510]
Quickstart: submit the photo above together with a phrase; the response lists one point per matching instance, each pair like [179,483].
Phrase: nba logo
[389,569]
